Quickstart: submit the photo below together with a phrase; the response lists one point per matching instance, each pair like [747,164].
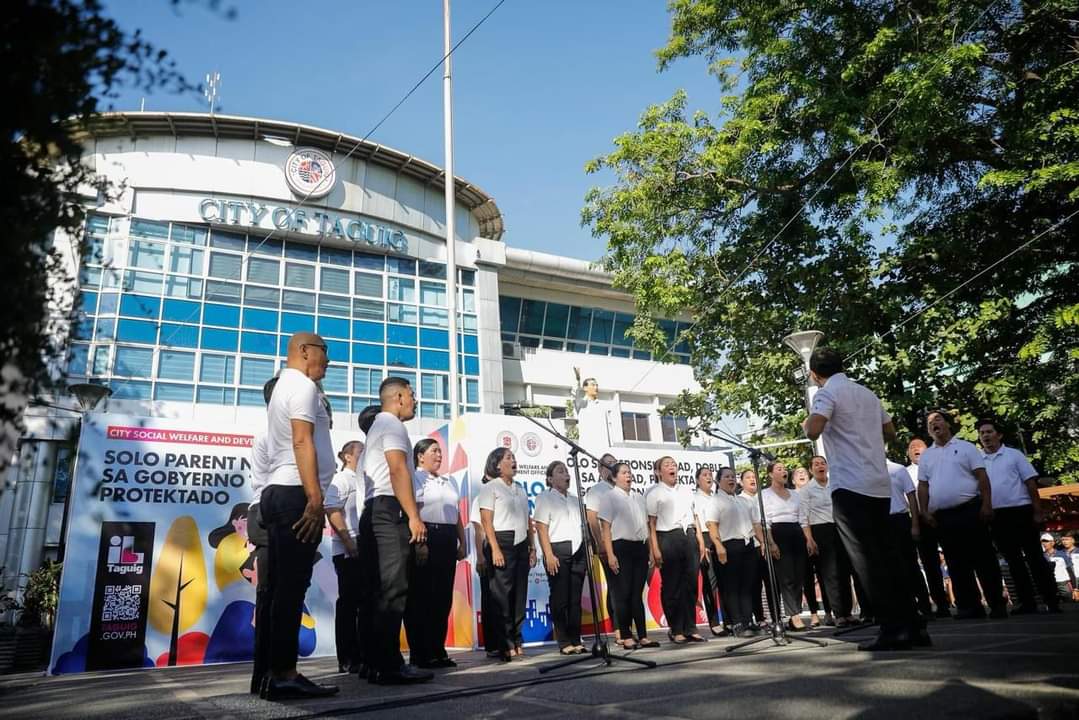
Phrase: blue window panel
[576,347]
[365,381]
[338,403]
[409,376]
[282,345]
[551,344]
[368,285]
[402,313]
[471,365]
[438,411]
[106,329]
[368,310]
[337,350]
[469,343]
[77,357]
[83,328]
[252,398]
[208,395]
[266,246]
[294,322]
[468,277]
[401,266]
[140,306]
[301,251]
[361,330]
[219,339]
[130,390]
[434,317]
[359,403]
[401,357]
[336,380]
[334,281]
[139,331]
[263,297]
[217,368]
[181,311]
[432,270]
[174,365]
[554,325]
[602,321]
[149,229]
[434,360]
[580,321]
[227,240]
[620,352]
[258,343]
[641,355]
[134,362]
[434,339]
[223,291]
[260,319]
[296,300]
[334,305]
[89,302]
[256,371]
[108,304]
[509,311]
[179,335]
[598,350]
[188,235]
[472,391]
[97,224]
[223,315]
[336,256]
[365,261]
[333,327]
[366,354]
[174,392]
[434,387]
[622,324]
[400,334]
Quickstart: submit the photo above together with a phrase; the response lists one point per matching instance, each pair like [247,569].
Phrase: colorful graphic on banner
[121,596]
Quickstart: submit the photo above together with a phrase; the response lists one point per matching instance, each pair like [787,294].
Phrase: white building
[215,249]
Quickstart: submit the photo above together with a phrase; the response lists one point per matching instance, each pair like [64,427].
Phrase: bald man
[300,467]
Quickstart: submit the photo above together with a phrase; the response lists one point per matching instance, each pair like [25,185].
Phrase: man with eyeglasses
[301,466]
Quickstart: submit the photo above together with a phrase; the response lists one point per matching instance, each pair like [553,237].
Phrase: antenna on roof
[213,83]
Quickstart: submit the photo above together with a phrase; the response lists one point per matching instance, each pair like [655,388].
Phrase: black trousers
[678,593]
[790,568]
[488,613]
[347,610]
[626,588]
[256,533]
[1017,539]
[736,577]
[929,553]
[969,551]
[565,593]
[710,587]
[509,591]
[369,589]
[762,587]
[863,526]
[290,564]
[901,529]
[834,569]
[813,575]
[430,595]
[389,525]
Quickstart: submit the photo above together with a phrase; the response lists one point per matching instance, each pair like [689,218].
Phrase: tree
[870,158]
[62,59]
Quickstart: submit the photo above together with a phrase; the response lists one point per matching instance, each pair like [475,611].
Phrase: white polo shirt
[816,501]
[853,437]
[1008,471]
[441,498]
[702,503]
[625,511]
[735,521]
[751,503]
[949,471]
[342,494]
[509,503]
[296,397]
[387,433]
[593,497]
[901,485]
[562,516]
[779,510]
[671,506]
[260,467]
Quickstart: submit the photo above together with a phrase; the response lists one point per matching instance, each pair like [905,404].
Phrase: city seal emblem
[310,173]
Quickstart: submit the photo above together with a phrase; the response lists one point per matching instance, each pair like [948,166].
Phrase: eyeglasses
[321,346]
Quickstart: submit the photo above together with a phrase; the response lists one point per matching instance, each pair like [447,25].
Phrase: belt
[440,526]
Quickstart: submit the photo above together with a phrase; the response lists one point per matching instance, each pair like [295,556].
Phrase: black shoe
[974,613]
[405,675]
[889,641]
[791,627]
[492,654]
[943,612]
[343,669]
[298,687]
[999,613]
[256,684]
[920,638]
[444,663]
[1025,610]
[362,670]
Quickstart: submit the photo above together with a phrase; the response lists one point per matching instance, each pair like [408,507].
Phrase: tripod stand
[778,634]
[600,650]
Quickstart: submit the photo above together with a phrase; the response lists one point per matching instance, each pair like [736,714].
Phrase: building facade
[224,235]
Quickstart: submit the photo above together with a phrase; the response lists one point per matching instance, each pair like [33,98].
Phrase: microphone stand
[600,650]
[778,634]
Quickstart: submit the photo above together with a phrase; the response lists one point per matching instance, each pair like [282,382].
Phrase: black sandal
[646,643]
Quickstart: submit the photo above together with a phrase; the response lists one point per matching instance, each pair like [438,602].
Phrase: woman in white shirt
[340,503]
[782,515]
[703,500]
[624,527]
[557,517]
[733,526]
[430,588]
[677,549]
[483,570]
[510,549]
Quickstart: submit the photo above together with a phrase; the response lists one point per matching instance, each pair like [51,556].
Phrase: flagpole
[451,255]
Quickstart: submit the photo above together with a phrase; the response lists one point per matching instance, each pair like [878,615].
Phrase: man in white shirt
[906,527]
[1017,517]
[854,425]
[301,465]
[395,524]
[927,542]
[256,534]
[955,496]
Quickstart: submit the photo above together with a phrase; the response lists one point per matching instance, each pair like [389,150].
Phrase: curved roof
[142,124]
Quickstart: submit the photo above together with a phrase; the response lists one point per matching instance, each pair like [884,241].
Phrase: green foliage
[41,595]
[868,160]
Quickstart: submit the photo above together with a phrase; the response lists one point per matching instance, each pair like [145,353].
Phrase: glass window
[336,379]
[263,270]
[216,395]
[434,360]
[223,291]
[401,357]
[83,328]
[113,278]
[602,321]
[368,285]
[622,324]
[148,255]
[594,349]
[370,331]
[134,362]
[334,280]
[469,342]
[106,328]
[509,310]
[403,313]
[77,358]
[642,355]
[434,317]
[251,398]
[97,224]
[186,260]
[471,364]
[264,297]
[576,347]
[213,339]
[223,315]
[336,349]
[183,287]
[174,365]
[173,335]
[108,304]
[140,331]
[532,316]
[258,343]
[334,305]
[528,342]
[365,381]
[368,310]
[89,277]
[432,270]
[468,300]
[466,277]
[102,355]
[368,354]
[366,261]
[401,266]
[300,276]
[260,319]
[301,251]
[333,327]
[433,294]
[296,300]
[130,390]
[469,323]
[173,392]
[188,234]
[438,411]
[218,368]
[580,321]
[402,290]
[401,334]
[556,321]
[434,387]
[672,425]
[149,229]
[434,339]
[335,256]
[255,371]
[181,311]
[620,352]
[225,266]
[140,306]
[140,281]
[227,240]
[635,427]
[293,323]
[472,391]
[265,246]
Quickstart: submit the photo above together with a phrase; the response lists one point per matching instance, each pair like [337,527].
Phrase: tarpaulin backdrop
[158,570]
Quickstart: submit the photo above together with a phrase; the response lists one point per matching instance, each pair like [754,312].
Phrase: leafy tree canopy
[870,161]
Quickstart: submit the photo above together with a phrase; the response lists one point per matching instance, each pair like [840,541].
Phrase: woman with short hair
[783,522]
[557,518]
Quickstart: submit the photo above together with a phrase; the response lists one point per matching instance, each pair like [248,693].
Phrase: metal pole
[451,254]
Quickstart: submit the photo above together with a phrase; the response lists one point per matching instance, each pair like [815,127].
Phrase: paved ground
[1023,667]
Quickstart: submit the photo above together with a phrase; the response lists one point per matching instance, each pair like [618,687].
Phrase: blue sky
[539,89]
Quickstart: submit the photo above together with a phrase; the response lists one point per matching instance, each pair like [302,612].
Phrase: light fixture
[89,395]
[803,343]
[278,141]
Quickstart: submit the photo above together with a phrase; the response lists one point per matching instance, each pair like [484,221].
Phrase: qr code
[122,602]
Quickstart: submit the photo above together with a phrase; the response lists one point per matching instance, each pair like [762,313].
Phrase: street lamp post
[803,343]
